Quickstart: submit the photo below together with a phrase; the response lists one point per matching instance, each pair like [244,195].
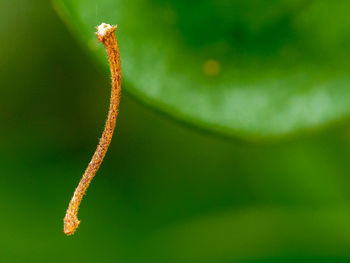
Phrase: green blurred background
[165,192]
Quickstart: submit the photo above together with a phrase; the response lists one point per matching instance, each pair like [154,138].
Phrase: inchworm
[106,35]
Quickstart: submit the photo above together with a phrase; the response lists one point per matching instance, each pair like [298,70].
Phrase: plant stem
[106,35]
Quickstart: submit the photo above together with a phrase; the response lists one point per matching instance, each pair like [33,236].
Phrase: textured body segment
[106,35]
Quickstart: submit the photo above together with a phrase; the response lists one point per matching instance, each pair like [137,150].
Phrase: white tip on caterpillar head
[104,30]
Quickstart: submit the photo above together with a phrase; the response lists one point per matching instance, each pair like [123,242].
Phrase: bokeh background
[165,192]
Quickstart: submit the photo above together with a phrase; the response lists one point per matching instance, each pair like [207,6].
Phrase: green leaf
[251,69]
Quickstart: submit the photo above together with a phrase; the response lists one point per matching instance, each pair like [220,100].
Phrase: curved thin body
[106,35]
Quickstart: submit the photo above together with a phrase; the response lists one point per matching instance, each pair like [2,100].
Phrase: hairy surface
[106,35]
